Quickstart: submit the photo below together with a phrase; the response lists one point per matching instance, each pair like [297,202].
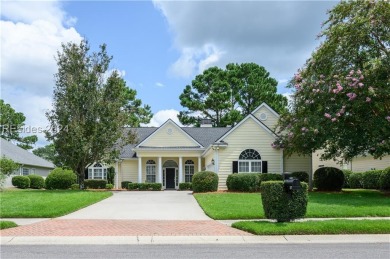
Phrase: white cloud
[159,84]
[277,35]
[162,116]
[32,32]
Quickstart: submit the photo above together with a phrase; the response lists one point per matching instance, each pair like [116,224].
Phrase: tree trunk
[81,175]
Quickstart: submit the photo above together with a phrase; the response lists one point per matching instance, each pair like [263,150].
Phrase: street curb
[177,240]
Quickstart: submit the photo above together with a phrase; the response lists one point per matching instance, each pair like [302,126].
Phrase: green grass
[45,204]
[7,224]
[349,203]
[327,227]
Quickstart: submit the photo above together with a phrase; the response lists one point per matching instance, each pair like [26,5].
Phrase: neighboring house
[358,164]
[171,154]
[29,163]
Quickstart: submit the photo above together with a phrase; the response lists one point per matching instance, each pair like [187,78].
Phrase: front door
[170,178]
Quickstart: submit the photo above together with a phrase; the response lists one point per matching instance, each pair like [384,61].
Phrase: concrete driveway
[166,205]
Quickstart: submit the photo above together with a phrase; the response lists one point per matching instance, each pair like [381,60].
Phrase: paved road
[318,251]
[167,205]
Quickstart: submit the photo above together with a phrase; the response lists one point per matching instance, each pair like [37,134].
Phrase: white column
[139,169]
[180,169]
[160,175]
[199,163]
[117,175]
[281,161]
[216,160]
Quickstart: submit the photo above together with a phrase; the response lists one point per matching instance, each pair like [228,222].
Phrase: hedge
[270,177]
[243,182]
[328,179]
[346,173]
[95,184]
[283,205]
[384,180]
[205,182]
[125,184]
[355,180]
[370,179]
[21,182]
[36,181]
[75,186]
[185,186]
[60,179]
[301,176]
[145,186]
[109,186]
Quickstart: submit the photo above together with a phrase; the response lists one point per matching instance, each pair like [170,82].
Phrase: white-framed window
[25,171]
[189,170]
[150,171]
[97,171]
[249,162]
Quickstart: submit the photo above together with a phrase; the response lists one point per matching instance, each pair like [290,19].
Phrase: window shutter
[235,167]
[264,167]
[86,173]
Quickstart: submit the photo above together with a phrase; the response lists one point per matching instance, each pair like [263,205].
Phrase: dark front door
[170,178]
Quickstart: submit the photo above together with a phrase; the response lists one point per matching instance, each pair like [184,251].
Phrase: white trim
[160,173]
[139,169]
[268,107]
[177,126]
[180,169]
[199,163]
[281,161]
[244,120]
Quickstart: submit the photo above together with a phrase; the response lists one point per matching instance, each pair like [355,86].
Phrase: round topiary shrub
[283,205]
[328,179]
[355,180]
[60,179]
[384,180]
[245,182]
[301,176]
[205,182]
[370,179]
[21,182]
[36,181]
[346,173]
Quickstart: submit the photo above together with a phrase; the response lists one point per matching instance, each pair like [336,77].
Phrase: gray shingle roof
[22,156]
[205,136]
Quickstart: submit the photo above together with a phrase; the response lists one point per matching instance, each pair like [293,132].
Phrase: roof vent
[206,123]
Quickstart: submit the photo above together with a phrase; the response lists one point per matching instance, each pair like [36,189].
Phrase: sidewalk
[158,240]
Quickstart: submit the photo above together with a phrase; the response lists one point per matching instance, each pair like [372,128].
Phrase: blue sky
[159,46]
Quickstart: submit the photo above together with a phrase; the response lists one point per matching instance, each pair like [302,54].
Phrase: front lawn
[7,224]
[45,204]
[326,227]
[349,203]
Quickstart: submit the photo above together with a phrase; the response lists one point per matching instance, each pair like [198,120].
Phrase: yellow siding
[207,160]
[296,163]
[271,120]
[317,163]
[169,153]
[128,171]
[169,136]
[362,164]
[248,135]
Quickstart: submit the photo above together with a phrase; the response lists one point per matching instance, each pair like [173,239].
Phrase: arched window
[150,171]
[249,161]
[189,170]
[97,171]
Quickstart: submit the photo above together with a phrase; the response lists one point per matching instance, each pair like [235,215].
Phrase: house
[358,164]
[29,163]
[171,154]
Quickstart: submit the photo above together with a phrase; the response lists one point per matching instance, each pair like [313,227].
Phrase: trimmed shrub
[205,182]
[370,179]
[346,173]
[301,176]
[328,179]
[281,205]
[21,182]
[244,182]
[95,184]
[270,177]
[355,180]
[125,184]
[36,181]
[75,186]
[384,180]
[60,179]
[109,186]
[145,186]
[185,186]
